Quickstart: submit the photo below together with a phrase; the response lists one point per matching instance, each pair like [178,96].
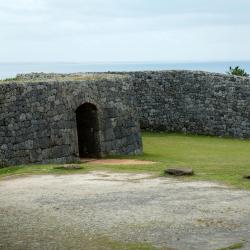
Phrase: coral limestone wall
[194,102]
[38,119]
[38,111]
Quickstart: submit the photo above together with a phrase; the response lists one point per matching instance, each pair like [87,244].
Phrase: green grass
[106,243]
[232,247]
[216,159]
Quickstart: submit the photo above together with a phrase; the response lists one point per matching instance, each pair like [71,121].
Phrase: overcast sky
[124,30]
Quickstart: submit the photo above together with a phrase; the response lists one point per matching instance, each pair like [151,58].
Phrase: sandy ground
[116,162]
[59,212]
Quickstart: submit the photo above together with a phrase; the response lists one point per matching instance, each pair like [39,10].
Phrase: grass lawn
[217,159]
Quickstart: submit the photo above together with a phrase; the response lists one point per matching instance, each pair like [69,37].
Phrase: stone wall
[193,102]
[38,120]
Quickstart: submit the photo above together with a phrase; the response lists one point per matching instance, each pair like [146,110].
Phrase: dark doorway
[88,131]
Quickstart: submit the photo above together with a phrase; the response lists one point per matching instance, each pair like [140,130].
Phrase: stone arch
[88,131]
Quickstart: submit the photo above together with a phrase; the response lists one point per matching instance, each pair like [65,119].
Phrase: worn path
[60,212]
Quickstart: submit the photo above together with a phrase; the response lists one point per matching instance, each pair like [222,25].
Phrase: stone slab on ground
[69,167]
[179,171]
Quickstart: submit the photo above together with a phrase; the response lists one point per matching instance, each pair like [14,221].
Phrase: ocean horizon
[8,70]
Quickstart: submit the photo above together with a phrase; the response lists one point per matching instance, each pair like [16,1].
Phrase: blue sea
[8,70]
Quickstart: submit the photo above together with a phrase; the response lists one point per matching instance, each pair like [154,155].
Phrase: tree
[237,71]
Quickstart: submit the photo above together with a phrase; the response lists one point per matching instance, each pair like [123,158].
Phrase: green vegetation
[38,77]
[237,71]
[105,243]
[215,159]
[232,247]
[9,79]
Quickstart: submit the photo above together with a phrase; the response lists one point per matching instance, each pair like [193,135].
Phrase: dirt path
[62,212]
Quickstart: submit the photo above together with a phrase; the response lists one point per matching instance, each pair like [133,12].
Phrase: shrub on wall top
[237,71]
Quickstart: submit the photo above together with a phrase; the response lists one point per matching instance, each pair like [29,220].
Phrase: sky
[124,30]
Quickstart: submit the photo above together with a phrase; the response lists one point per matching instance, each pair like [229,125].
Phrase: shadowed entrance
[88,131]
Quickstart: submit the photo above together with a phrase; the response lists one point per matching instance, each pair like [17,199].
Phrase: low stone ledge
[247,176]
[69,167]
[179,171]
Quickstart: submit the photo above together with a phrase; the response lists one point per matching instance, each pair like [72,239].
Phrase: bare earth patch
[116,162]
[69,211]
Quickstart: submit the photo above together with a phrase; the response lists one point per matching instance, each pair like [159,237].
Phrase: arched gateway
[88,131]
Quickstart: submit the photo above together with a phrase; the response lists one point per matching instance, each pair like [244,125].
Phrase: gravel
[62,211]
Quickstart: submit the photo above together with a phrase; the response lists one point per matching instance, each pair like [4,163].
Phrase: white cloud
[132,30]
[29,5]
